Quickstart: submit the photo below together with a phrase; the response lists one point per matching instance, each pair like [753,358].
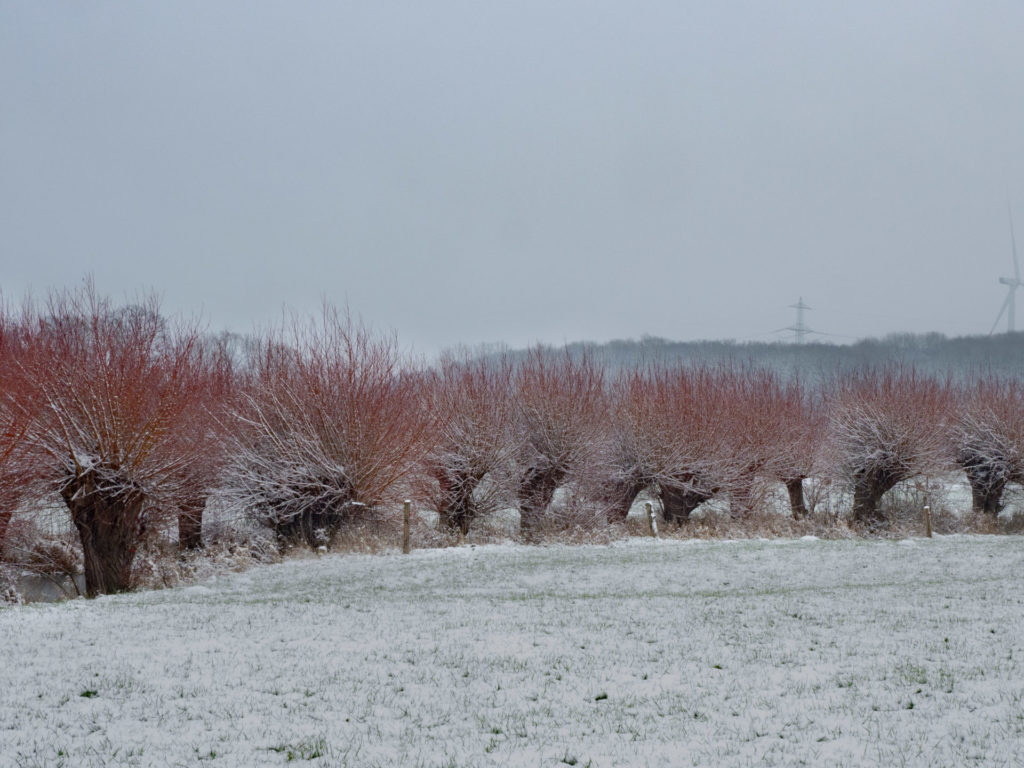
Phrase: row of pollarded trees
[691,434]
[698,433]
[134,421]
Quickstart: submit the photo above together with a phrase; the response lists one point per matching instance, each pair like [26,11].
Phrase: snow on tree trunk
[108,520]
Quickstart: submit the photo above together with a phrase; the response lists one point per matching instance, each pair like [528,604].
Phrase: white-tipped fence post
[406,512]
[928,521]
[652,522]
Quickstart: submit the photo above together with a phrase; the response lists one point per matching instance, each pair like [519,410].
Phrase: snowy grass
[642,653]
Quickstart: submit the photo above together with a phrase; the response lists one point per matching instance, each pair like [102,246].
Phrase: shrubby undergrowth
[140,451]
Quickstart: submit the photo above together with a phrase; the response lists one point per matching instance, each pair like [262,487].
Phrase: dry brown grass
[756,525]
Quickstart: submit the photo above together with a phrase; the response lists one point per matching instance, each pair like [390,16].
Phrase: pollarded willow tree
[987,435]
[673,434]
[775,428]
[886,427]
[471,400]
[114,386]
[560,408]
[329,425]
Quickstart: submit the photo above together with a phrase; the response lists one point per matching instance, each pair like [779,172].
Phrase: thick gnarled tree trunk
[536,491]
[190,523]
[458,508]
[678,503]
[108,519]
[986,491]
[620,496]
[868,488]
[797,504]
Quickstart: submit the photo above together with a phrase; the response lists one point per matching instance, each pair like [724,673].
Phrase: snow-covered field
[643,653]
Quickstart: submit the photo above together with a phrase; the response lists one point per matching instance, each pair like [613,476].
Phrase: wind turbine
[1012,284]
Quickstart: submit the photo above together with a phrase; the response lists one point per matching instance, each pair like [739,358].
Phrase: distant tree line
[134,422]
[962,357]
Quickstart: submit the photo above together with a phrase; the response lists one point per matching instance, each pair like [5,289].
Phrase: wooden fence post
[652,523]
[928,521]
[406,512]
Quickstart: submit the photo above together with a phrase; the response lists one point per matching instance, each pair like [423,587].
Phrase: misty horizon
[533,173]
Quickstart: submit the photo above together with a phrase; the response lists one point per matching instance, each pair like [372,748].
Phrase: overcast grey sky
[466,172]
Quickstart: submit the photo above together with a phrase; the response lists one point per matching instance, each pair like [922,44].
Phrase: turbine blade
[1009,297]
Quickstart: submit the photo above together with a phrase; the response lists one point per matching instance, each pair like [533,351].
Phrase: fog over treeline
[933,353]
[1000,355]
